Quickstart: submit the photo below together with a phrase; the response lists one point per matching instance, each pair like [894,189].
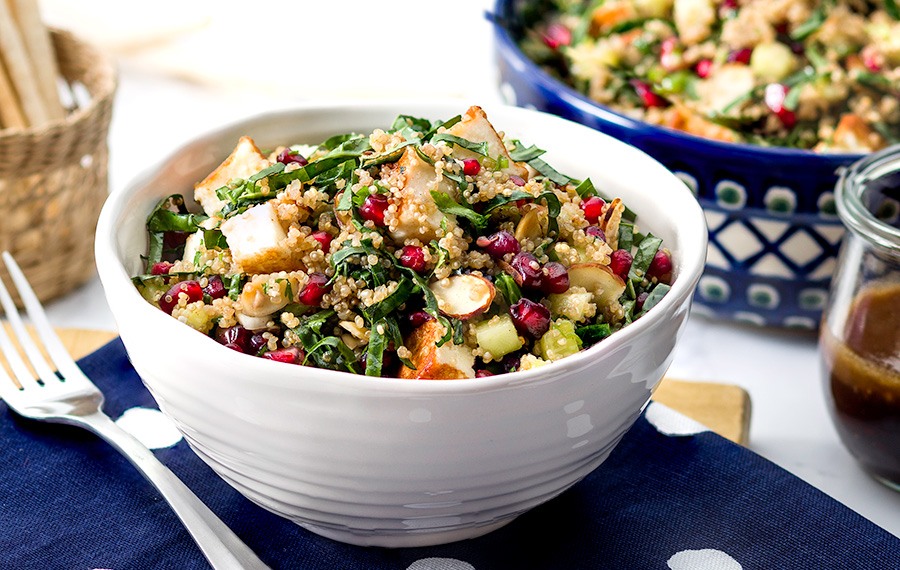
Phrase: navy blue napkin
[688,502]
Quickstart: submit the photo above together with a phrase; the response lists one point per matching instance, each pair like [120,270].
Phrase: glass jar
[859,338]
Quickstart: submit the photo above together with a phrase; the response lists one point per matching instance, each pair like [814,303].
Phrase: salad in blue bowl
[755,105]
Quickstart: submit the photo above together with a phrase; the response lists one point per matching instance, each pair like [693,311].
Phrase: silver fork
[71,398]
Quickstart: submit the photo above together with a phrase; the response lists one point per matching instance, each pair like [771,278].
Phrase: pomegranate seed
[419,318]
[774,99]
[174,240]
[595,232]
[555,278]
[234,347]
[236,336]
[215,288]
[527,270]
[648,97]
[389,363]
[660,266]
[314,290]
[872,60]
[483,373]
[669,54]
[288,156]
[161,268]
[413,257]
[289,355]
[324,239]
[740,56]
[729,4]
[639,302]
[517,180]
[498,244]
[530,318]
[373,208]
[511,362]
[256,343]
[471,167]
[703,68]
[169,301]
[593,209]
[620,262]
[557,35]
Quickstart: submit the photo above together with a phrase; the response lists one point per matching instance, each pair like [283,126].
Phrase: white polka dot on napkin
[706,559]
[669,422]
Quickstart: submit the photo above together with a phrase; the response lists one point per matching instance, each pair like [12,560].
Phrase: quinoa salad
[822,75]
[424,250]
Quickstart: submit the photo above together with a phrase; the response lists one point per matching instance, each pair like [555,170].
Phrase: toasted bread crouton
[258,242]
[445,362]
[417,216]
[246,160]
[475,127]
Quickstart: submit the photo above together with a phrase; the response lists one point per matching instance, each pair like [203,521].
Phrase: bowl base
[405,539]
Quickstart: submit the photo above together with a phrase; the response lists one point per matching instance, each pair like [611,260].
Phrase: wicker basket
[54,178]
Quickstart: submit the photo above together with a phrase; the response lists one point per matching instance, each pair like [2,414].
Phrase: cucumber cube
[560,341]
[498,336]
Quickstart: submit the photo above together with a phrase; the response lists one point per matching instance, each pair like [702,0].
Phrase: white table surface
[175,85]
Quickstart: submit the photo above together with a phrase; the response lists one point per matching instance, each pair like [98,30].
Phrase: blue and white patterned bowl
[774,232]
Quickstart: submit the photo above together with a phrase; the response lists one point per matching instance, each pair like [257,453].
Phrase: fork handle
[222,548]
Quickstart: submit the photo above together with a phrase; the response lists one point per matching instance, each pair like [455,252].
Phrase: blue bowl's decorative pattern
[774,232]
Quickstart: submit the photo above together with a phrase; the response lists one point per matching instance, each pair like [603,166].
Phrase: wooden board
[724,408]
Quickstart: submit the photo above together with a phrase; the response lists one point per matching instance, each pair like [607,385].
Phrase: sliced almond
[463,296]
[257,300]
[253,323]
[533,224]
[605,286]
[611,220]
[342,217]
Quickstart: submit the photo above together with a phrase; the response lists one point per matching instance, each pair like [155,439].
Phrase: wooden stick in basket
[38,45]
[11,114]
[18,66]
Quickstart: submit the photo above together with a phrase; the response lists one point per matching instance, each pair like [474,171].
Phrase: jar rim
[848,197]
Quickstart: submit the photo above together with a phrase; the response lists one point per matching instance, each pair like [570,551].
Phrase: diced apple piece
[772,61]
[605,286]
[433,362]
[417,215]
[475,127]
[498,336]
[463,296]
[246,160]
[258,241]
[694,19]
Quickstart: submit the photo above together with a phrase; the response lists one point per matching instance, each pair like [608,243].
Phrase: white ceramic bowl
[394,462]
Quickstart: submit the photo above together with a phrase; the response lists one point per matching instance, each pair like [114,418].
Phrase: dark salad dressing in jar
[859,338]
[863,369]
